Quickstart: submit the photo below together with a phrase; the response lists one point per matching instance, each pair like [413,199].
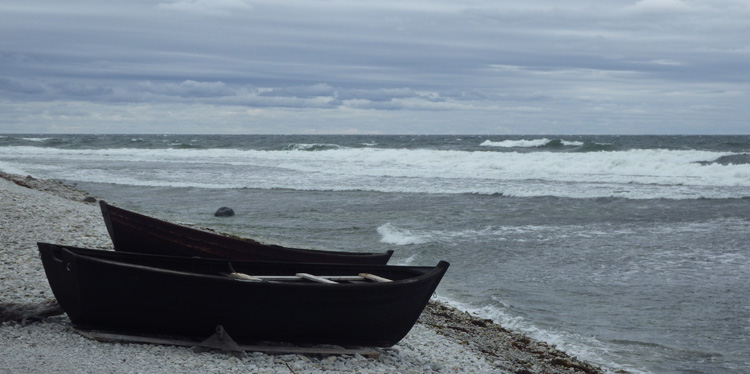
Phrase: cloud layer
[234,66]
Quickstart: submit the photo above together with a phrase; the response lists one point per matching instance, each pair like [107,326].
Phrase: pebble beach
[444,340]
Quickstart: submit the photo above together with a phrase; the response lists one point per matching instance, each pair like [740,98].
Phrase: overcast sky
[386,66]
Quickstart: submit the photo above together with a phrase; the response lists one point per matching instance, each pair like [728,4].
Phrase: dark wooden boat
[149,294]
[134,232]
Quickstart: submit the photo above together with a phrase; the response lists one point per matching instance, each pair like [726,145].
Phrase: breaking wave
[632,174]
[392,235]
[312,147]
[533,143]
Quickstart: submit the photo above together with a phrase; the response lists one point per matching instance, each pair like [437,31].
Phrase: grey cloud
[13,86]
[79,89]
[580,62]
[188,88]
[204,7]
[378,95]
[317,90]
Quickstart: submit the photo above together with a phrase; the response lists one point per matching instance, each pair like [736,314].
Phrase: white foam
[407,261]
[634,174]
[395,236]
[524,143]
[12,168]
[313,147]
[587,348]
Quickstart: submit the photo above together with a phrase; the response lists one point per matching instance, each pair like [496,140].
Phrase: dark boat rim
[73,251]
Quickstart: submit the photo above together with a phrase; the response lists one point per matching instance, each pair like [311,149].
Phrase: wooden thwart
[315,278]
[374,277]
[306,276]
[183,342]
[244,276]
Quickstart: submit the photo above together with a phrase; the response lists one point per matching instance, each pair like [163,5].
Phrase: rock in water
[224,212]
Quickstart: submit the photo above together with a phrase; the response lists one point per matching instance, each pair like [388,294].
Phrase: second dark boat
[134,232]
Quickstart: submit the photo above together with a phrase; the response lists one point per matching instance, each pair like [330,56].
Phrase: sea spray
[395,236]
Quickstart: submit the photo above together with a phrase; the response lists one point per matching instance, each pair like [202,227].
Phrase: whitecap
[522,143]
[392,235]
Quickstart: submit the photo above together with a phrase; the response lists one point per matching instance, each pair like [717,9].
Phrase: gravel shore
[444,340]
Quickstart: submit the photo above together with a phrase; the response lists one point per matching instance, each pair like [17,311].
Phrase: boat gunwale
[428,271]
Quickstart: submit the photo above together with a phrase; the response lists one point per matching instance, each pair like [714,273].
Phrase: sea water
[631,252]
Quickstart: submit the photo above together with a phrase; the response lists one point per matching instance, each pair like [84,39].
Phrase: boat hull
[134,232]
[135,293]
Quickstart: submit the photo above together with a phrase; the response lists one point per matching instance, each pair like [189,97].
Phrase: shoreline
[444,339]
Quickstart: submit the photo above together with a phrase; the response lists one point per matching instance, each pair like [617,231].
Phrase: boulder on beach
[224,212]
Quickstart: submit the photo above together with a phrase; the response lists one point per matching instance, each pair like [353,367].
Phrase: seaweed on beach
[511,351]
[26,312]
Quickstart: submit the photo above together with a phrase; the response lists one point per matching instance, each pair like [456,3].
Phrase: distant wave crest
[312,147]
[739,159]
[552,144]
[595,147]
[533,143]
[632,174]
